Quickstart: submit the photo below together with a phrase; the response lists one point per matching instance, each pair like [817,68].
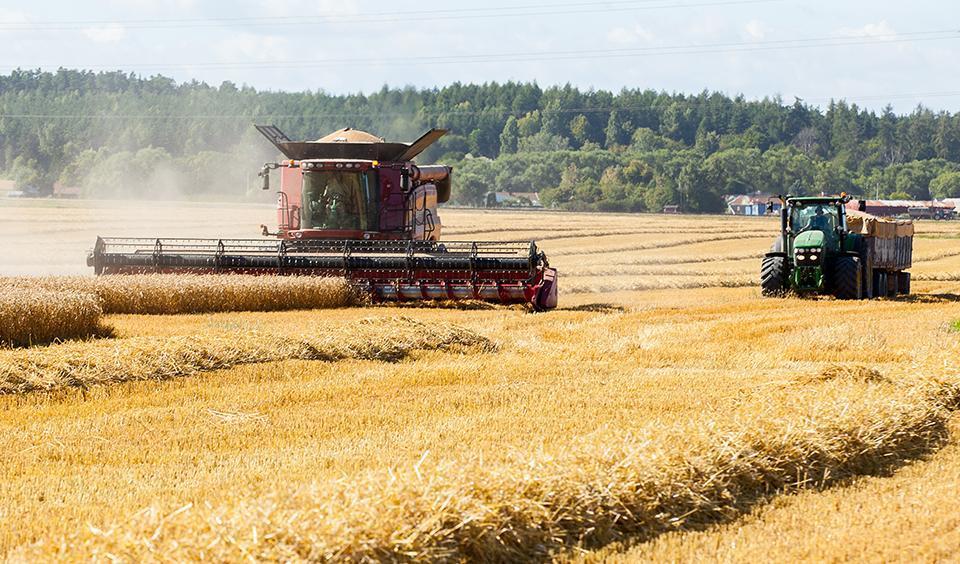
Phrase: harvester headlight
[813,257]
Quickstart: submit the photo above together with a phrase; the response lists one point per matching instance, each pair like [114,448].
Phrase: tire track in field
[654,246]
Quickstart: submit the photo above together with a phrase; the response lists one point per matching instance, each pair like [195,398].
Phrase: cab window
[818,217]
[339,200]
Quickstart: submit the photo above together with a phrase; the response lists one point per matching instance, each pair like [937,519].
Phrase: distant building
[955,202]
[671,209]
[68,192]
[513,200]
[916,209]
[751,204]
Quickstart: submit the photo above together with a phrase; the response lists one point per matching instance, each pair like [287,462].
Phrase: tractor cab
[818,216]
[816,223]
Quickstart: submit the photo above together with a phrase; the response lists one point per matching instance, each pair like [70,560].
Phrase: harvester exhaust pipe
[438,175]
[431,173]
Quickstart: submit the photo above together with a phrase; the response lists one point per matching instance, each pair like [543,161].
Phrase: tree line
[118,134]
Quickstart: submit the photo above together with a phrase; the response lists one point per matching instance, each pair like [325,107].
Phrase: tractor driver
[823,220]
[820,221]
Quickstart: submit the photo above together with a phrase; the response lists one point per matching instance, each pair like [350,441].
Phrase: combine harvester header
[352,205]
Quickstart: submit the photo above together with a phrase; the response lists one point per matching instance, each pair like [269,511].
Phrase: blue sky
[872,52]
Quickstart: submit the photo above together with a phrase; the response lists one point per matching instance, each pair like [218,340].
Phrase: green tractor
[820,252]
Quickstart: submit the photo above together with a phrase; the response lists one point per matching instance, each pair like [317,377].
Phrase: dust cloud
[212,193]
[52,237]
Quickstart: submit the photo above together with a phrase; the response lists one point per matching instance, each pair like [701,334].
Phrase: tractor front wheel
[847,279]
[773,276]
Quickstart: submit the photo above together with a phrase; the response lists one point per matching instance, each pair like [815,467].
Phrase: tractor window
[819,217]
[337,200]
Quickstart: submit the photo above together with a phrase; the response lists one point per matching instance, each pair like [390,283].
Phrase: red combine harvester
[354,206]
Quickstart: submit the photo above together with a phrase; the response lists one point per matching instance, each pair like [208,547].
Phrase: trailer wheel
[847,279]
[893,284]
[773,276]
[904,280]
[879,284]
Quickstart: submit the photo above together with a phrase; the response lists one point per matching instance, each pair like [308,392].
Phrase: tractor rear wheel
[847,278]
[773,276]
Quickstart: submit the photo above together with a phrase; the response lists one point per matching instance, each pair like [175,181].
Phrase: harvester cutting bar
[511,272]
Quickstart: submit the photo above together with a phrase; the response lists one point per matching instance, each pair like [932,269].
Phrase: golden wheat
[169,294]
[30,316]
[153,358]
[689,281]
[614,488]
[937,277]
[907,515]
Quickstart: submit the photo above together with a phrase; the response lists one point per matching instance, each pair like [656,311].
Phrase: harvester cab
[353,205]
[353,185]
[821,251]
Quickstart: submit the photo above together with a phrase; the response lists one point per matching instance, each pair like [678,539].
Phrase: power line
[385,17]
[453,113]
[564,55]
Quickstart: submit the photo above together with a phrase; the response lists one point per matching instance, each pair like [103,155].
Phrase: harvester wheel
[773,276]
[847,278]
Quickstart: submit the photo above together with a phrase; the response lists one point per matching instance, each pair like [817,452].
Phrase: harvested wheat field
[664,412]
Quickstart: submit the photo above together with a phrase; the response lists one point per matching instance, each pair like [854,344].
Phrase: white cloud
[703,28]
[630,35]
[110,33]
[756,29]
[12,16]
[251,47]
[881,29]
